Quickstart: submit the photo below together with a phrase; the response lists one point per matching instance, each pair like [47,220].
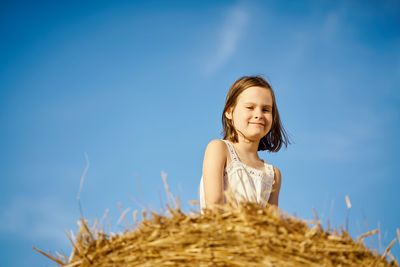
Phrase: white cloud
[303,41]
[230,34]
[330,26]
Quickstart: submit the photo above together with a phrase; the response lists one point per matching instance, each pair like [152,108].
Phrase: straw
[235,234]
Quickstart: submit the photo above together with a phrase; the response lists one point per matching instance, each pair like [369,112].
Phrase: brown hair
[277,136]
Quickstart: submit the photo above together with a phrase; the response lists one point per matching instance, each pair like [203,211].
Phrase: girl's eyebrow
[251,103]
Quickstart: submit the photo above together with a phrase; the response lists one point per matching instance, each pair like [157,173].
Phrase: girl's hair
[276,136]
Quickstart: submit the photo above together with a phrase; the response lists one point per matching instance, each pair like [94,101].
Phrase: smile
[256,123]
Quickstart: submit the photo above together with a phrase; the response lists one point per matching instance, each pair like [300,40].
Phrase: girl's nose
[257,114]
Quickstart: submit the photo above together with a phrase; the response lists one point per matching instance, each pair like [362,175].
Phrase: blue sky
[140,88]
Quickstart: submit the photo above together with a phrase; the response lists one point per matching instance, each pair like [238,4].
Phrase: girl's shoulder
[215,154]
[272,167]
[276,172]
[217,148]
[277,175]
[217,145]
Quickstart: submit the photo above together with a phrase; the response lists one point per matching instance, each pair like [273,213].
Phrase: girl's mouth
[257,123]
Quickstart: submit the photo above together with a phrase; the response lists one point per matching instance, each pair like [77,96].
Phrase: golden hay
[240,235]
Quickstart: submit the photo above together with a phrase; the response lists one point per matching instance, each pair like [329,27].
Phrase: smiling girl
[251,123]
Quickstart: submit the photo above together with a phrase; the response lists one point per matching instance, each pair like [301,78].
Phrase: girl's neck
[247,147]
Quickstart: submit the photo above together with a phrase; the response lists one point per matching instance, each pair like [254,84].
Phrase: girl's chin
[253,137]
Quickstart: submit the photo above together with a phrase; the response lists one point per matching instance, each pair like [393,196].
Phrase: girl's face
[252,115]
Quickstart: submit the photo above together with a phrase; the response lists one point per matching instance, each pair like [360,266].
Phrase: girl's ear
[228,113]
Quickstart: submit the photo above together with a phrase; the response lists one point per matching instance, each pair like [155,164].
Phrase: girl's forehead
[256,94]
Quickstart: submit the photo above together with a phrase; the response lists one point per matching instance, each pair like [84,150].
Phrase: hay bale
[240,235]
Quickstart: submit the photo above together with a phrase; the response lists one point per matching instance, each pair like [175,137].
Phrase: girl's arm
[213,171]
[276,187]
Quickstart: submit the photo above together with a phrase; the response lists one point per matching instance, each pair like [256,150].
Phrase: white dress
[245,182]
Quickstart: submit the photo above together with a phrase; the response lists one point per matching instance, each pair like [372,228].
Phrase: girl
[250,123]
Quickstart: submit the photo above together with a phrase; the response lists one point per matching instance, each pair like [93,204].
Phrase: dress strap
[232,151]
[269,169]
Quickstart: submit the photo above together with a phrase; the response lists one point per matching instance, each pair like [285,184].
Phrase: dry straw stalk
[245,234]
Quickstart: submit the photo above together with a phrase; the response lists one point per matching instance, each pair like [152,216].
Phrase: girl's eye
[249,107]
